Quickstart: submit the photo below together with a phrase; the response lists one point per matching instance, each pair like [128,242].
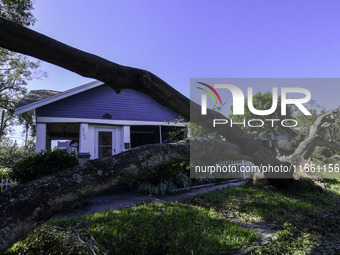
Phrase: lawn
[307,221]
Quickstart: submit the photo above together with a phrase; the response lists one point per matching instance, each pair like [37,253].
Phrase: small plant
[44,163]
[164,179]
[54,240]
[5,173]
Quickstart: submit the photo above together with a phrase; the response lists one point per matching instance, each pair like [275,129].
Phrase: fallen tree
[20,39]
[26,206]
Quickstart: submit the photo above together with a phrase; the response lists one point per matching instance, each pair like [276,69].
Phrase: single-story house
[67,145]
[99,120]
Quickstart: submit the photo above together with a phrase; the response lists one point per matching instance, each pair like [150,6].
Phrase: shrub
[166,178]
[54,241]
[9,152]
[44,163]
[5,173]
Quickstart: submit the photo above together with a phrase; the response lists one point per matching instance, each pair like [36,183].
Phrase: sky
[179,40]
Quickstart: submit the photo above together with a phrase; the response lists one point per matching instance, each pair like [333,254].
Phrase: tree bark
[306,147]
[2,124]
[26,206]
[20,39]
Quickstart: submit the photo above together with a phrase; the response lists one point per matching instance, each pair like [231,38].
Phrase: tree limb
[26,206]
[331,145]
[306,147]
[20,39]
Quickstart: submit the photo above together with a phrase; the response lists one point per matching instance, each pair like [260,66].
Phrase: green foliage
[307,221]
[5,173]
[331,133]
[53,241]
[9,152]
[166,178]
[44,163]
[18,11]
[153,228]
[15,69]
[289,240]
[264,102]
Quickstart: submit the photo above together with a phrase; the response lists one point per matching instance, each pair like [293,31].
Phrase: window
[104,144]
[141,135]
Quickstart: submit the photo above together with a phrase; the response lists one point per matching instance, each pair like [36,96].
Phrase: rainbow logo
[209,93]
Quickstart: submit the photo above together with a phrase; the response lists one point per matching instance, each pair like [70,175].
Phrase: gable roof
[36,95]
[38,98]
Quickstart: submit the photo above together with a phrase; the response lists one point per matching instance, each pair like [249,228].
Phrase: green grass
[157,228]
[307,221]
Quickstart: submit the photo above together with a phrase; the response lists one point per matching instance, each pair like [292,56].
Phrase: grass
[307,221]
[154,228]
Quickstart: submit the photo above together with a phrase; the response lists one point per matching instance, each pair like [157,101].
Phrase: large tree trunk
[26,206]
[20,39]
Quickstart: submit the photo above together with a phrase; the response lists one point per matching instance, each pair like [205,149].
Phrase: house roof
[36,95]
[38,98]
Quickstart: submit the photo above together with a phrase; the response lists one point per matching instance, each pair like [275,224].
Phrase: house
[66,145]
[284,140]
[99,120]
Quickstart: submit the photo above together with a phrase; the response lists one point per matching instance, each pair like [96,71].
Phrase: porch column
[84,145]
[41,137]
[126,140]
[84,138]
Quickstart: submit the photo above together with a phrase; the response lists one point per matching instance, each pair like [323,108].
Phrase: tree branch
[26,206]
[331,145]
[20,39]
[307,146]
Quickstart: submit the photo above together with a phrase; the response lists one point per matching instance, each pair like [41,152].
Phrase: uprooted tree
[26,206]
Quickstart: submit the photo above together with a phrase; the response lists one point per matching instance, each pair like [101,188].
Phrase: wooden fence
[6,184]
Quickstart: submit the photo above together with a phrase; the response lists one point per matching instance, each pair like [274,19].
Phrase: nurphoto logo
[239,99]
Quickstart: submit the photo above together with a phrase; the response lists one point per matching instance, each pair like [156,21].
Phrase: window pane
[105,138]
[104,144]
[104,152]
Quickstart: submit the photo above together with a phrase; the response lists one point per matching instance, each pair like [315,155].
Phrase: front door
[105,143]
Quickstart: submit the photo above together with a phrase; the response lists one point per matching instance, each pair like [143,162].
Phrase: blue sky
[179,40]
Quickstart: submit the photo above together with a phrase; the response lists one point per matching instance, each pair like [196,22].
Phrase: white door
[105,142]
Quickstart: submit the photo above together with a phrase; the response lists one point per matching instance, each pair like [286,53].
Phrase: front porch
[98,140]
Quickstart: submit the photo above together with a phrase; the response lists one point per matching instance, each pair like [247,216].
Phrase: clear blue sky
[177,40]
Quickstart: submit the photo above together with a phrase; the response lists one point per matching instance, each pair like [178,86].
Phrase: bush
[54,241]
[5,173]
[44,163]
[166,178]
[9,152]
